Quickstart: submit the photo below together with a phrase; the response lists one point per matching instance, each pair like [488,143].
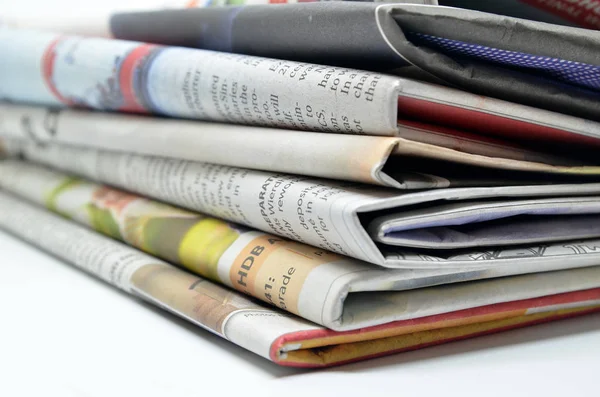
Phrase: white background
[64,333]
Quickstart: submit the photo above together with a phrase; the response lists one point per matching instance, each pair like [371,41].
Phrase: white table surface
[64,333]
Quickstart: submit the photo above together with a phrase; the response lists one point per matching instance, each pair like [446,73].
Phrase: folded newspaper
[51,69]
[340,217]
[539,64]
[403,163]
[337,292]
[284,339]
[543,65]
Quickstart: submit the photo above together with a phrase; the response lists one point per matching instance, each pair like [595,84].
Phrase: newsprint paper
[348,218]
[425,158]
[335,291]
[51,69]
[539,64]
[282,338]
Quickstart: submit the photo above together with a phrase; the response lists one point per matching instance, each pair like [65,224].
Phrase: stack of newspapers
[317,183]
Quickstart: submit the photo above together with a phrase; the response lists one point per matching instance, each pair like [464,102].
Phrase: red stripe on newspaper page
[48,60]
[127,70]
[461,137]
[486,123]
[525,304]
[442,341]
[585,13]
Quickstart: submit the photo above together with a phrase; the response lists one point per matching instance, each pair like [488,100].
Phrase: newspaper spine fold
[135,77]
[199,301]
